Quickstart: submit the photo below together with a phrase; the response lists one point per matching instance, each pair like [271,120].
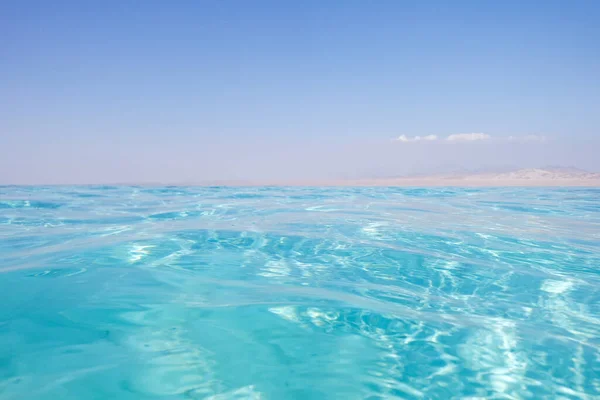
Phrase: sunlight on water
[299,293]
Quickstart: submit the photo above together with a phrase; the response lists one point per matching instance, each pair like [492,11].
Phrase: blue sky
[192,90]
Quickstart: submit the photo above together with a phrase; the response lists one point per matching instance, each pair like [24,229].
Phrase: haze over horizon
[160,92]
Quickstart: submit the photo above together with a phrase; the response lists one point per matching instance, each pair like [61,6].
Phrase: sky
[189,91]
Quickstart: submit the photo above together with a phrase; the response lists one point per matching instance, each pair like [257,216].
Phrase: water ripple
[275,293]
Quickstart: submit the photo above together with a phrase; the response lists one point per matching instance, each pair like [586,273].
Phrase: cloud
[406,139]
[457,137]
[471,137]
[467,137]
[527,138]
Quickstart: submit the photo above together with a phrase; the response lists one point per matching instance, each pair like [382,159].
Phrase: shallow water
[299,293]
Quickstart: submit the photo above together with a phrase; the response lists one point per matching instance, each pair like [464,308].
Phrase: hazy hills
[549,176]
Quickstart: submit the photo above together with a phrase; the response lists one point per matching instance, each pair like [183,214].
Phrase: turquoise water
[299,293]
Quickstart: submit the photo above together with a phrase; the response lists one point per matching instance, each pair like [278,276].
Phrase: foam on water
[299,293]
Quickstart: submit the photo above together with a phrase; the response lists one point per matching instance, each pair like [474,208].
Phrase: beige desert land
[535,177]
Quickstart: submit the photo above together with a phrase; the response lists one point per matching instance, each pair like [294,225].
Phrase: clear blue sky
[109,91]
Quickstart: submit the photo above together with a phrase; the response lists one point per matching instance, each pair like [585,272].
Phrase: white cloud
[471,137]
[406,139]
[467,137]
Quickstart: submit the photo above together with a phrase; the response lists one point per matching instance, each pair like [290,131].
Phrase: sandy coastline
[519,178]
[411,182]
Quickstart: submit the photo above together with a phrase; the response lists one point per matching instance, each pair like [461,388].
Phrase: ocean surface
[299,293]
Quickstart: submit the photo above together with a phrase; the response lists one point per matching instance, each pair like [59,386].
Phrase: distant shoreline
[400,182]
[403,182]
[518,178]
[406,183]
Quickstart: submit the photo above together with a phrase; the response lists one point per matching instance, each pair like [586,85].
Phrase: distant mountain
[549,176]
[545,174]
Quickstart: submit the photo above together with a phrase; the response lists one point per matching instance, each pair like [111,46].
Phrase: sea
[139,292]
